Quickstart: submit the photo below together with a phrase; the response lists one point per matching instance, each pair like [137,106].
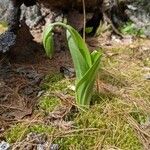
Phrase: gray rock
[44,146]
[7,40]
[54,147]
[4,145]
[32,15]
[67,72]
[139,13]
[40,147]
[147,76]
[10,13]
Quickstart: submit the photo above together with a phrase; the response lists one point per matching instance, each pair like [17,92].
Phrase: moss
[112,129]
[60,86]
[16,133]
[47,104]
[130,29]
[141,91]
[107,118]
[146,62]
[41,128]
[139,116]
[55,83]
[51,79]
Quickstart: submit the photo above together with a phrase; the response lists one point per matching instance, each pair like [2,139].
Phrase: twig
[80,130]
[84,21]
[113,27]
[10,107]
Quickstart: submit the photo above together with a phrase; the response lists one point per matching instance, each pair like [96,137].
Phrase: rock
[7,16]
[10,14]
[54,147]
[115,39]
[37,142]
[147,76]
[127,40]
[72,87]
[32,15]
[4,145]
[7,40]
[40,147]
[45,146]
[146,69]
[139,13]
[67,72]
[36,138]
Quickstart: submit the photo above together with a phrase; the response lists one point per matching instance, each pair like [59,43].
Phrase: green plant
[86,64]
[131,29]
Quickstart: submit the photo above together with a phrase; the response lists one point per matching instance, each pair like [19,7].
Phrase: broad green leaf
[49,46]
[95,57]
[81,45]
[84,87]
[79,60]
[46,31]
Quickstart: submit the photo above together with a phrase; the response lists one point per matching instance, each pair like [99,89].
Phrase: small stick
[84,21]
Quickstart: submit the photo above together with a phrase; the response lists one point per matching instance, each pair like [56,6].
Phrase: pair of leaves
[86,66]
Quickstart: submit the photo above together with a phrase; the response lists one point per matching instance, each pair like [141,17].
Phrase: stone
[4,145]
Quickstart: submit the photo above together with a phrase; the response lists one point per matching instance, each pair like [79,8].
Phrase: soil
[22,71]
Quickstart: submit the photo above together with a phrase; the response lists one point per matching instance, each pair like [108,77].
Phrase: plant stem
[84,20]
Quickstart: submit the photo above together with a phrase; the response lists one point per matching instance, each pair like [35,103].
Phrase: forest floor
[37,107]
